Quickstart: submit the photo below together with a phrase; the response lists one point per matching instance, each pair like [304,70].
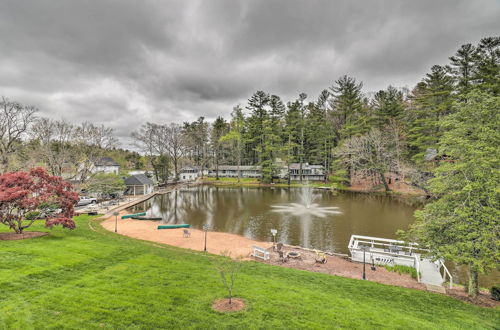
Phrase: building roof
[188,168]
[235,168]
[106,161]
[138,180]
[296,166]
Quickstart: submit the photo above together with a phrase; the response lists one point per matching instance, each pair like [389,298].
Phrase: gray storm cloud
[125,62]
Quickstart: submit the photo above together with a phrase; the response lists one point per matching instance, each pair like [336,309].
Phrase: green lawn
[84,279]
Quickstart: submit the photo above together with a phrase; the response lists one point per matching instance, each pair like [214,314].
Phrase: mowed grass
[83,279]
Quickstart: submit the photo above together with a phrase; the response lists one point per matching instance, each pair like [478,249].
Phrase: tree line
[343,129]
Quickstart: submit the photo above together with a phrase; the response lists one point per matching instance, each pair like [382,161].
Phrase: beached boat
[182,225]
[147,218]
[128,216]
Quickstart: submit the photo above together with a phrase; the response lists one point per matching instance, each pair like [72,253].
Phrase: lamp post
[364,248]
[274,232]
[205,228]
[116,214]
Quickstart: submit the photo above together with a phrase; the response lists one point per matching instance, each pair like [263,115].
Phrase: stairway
[430,274]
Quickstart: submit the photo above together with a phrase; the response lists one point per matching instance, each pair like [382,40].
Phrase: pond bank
[220,242]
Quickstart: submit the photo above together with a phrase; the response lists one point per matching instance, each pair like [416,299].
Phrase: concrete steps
[430,273]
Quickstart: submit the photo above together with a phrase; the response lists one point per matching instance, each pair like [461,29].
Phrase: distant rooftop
[106,161]
[138,180]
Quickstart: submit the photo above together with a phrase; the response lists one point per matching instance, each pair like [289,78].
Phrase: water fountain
[307,205]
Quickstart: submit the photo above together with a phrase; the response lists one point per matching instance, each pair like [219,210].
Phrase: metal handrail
[446,272]
[417,267]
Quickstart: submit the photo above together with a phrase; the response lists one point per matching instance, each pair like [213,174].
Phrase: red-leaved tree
[24,193]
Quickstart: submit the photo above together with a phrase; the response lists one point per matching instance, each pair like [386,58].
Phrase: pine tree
[387,105]
[487,75]
[430,102]
[463,67]
[219,128]
[347,108]
[292,134]
[235,135]
[257,105]
[462,224]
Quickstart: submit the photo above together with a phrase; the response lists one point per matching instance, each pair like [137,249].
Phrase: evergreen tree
[197,134]
[235,135]
[292,133]
[348,109]
[463,67]
[462,224]
[430,102]
[257,105]
[387,105]
[488,65]
[219,128]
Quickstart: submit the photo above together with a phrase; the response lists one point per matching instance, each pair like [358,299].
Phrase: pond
[252,212]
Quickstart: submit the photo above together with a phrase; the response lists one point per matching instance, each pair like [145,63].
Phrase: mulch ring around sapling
[222,305]
[25,235]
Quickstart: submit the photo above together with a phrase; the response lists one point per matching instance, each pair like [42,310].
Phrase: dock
[384,251]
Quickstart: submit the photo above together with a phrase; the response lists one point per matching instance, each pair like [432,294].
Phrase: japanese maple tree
[23,194]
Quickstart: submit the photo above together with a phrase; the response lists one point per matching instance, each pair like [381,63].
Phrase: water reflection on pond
[251,212]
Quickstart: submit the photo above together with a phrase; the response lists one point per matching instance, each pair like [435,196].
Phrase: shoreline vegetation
[112,281]
[250,182]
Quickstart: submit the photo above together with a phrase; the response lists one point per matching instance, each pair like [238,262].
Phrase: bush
[495,292]
[402,270]
[32,215]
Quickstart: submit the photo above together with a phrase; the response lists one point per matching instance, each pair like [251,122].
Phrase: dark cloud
[125,62]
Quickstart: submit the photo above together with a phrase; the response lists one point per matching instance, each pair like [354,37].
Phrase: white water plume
[307,206]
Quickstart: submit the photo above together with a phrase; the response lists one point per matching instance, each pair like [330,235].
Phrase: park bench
[259,252]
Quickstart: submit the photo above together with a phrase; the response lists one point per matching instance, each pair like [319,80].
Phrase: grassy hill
[84,279]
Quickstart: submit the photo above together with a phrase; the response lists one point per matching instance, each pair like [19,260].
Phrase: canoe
[182,225]
[128,216]
[147,218]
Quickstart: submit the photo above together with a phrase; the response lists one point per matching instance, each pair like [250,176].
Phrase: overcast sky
[122,62]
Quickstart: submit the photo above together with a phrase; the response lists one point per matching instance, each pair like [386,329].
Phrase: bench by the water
[261,253]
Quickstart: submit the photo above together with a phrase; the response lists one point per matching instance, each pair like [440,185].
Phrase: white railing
[385,243]
[417,267]
[445,272]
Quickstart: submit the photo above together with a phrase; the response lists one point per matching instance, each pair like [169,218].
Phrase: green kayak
[183,225]
[146,218]
[128,216]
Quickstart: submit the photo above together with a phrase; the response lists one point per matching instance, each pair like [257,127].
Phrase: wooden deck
[383,251]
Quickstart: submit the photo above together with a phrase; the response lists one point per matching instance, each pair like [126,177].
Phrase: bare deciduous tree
[15,119]
[228,269]
[176,145]
[375,151]
[57,149]
[151,139]
[92,140]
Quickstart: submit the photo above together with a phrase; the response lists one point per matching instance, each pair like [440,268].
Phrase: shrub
[495,292]
[402,270]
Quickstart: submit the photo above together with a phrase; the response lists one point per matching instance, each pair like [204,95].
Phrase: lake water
[252,212]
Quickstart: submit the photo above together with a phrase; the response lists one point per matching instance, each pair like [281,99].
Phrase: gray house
[106,165]
[231,171]
[309,172]
[139,184]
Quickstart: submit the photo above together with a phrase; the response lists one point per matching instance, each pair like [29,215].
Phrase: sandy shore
[217,242]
